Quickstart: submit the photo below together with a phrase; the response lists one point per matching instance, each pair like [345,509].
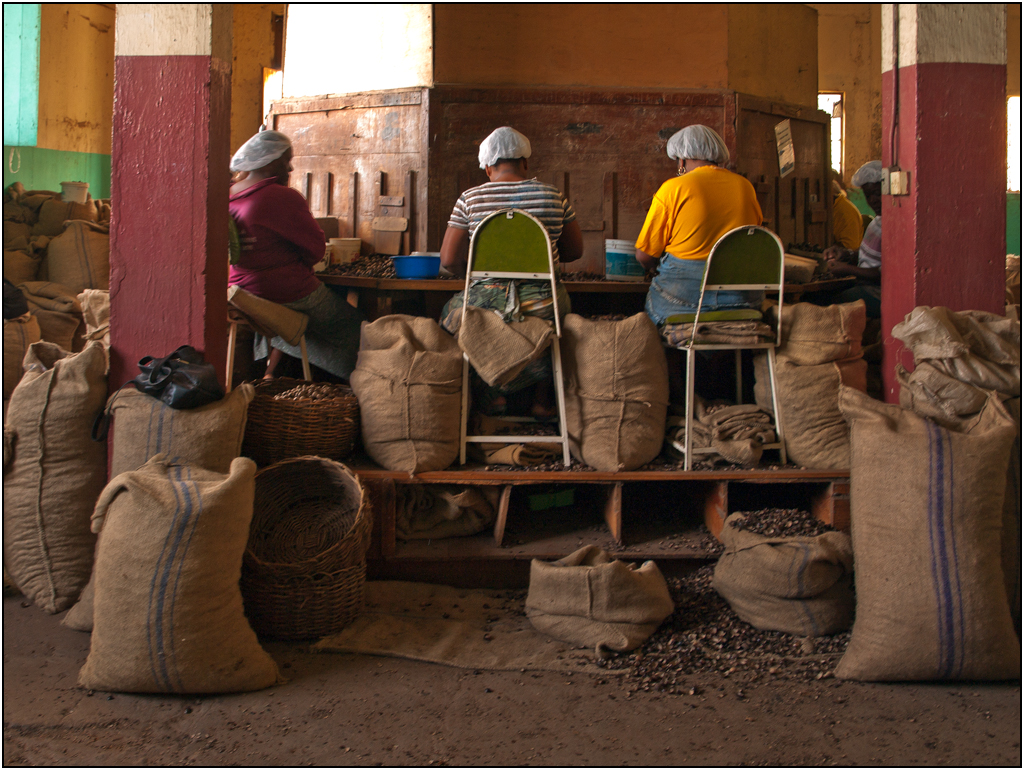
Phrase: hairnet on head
[868,173]
[504,142]
[698,143]
[263,148]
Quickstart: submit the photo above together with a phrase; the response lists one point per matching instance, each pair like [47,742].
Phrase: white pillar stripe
[960,33]
[173,29]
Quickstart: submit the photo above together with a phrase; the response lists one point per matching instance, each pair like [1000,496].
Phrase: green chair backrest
[746,255]
[506,245]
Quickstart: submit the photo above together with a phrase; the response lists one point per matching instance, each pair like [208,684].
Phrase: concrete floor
[354,710]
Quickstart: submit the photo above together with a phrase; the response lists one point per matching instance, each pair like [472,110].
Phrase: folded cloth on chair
[719,332]
[736,433]
[499,351]
[283,322]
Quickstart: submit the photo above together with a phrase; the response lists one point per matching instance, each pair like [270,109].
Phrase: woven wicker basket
[304,569]
[277,429]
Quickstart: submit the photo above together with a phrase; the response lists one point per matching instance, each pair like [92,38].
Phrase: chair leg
[465,409]
[229,374]
[688,443]
[556,360]
[306,373]
[779,431]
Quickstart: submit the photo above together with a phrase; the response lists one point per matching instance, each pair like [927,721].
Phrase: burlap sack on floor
[816,335]
[408,380]
[589,599]
[79,257]
[19,333]
[798,585]
[58,312]
[1011,534]
[435,511]
[57,473]
[616,391]
[499,351]
[96,314]
[927,505]
[168,609]
[817,435]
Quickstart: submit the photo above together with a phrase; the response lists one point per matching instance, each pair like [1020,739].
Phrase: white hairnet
[868,173]
[698,143]
[504,142]
[263,148]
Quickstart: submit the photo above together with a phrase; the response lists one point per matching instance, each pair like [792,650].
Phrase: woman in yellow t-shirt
[687,217]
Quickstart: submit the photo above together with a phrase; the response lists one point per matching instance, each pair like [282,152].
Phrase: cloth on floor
[737,432]
[530,453]
[499,351]
[719,332]
[464,628]
[432,512]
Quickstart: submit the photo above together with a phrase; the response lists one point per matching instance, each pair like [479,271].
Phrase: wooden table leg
[613,511]
[502,516]
[716,507]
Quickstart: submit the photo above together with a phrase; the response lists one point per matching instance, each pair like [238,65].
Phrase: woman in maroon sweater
[280,242]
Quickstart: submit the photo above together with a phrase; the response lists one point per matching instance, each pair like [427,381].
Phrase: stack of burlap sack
[819,351]
[736,432]
[58,254]
[149,562]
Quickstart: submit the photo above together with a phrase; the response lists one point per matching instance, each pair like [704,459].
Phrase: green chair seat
[742,314]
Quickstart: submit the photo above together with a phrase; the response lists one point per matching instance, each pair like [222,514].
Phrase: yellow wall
[773,51]
[76,77]
[850,60]
[252,49]
[616,45]
[1013,49]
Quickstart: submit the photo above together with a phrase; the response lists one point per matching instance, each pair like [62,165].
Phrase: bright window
[1013,143]
[832,103]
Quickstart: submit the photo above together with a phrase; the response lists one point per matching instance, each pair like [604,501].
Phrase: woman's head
[503,145]
[698,143]
[267,155]
[869,179]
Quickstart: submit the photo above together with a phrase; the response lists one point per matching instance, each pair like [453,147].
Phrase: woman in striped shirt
[503,157]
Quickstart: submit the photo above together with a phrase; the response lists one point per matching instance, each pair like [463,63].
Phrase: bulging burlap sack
[817,435]
[408,380]
[616,391]
[79,257]
[57,473]
[816,335]
[499,351]
[20,266]
[927,505]
[58,312]
[168,609]
[588,599]
[96,314]
[19,333]
[54,212]
[798,585]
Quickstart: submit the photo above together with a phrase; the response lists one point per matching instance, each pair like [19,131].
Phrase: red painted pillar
[944,87]
[169,183]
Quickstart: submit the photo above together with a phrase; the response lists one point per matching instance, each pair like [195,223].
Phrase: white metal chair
[749,258]
[513,244]
[267,318]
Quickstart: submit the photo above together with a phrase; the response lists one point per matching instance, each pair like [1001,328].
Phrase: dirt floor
[352,710]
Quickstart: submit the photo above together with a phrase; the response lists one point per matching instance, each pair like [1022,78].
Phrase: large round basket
[304,569]
[284,423]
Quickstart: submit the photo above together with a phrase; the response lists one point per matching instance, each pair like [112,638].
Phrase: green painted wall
[41,169]
[21,73]
[1013,223]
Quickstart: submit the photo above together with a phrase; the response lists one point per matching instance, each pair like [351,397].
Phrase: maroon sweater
[280,242]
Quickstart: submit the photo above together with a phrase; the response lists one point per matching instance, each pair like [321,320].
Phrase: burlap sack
[499,351]
[931,392]
[616,391]
[168,610]
[408,380]
[19,333]
[816,335]
[57,473]
[20,266]
[1011,534]
[590,600]
[96,314]
[938,332]
[817,435]
[15,230]
[53,213]
[273,318]
[79,257]
[798,585]
[57,310]
[435,511]
[927,505]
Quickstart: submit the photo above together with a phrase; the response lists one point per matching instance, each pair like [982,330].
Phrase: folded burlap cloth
[532,453]
[737,432]
[269,318]
[435,511]
[499,351]
[724,332]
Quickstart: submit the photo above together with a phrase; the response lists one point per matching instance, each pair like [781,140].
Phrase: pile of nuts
[309,392]
[780,522]
[374,266]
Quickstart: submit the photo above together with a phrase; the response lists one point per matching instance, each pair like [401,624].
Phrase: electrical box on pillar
[895,181]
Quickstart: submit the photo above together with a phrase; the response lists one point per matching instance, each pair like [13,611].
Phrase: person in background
[503,157]
[279,241]
[847,222]
[865,264]
[687,217]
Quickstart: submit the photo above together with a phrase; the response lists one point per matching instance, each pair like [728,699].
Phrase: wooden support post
[716,507]
[832,505]
[611,204]
[613,511]
[353,202]
[502,517]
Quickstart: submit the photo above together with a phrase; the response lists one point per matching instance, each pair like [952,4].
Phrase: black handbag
[182,380]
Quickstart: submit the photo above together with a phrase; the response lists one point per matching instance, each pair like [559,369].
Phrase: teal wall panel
[21,73]
[1013,223]
[41,169]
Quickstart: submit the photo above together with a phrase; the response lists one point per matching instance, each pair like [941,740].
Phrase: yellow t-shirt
[691,212]
[847,223]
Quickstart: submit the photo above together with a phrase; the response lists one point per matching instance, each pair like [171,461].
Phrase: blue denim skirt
[675,290]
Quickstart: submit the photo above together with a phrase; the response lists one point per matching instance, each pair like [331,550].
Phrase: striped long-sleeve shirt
[543,201]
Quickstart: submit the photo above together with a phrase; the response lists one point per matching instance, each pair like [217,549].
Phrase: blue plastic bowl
[417,266]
